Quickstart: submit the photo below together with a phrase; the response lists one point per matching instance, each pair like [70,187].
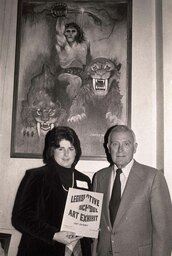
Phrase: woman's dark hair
[80,33]
[52,141]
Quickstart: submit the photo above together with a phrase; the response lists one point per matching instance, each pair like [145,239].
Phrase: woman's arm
[25,216]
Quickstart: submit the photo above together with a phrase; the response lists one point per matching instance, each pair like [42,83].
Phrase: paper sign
[82,212]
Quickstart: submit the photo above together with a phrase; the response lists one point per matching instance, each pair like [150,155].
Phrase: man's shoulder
[144,170]
[103,171]
[144,166]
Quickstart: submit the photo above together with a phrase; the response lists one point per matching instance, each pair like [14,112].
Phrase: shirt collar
[126,170]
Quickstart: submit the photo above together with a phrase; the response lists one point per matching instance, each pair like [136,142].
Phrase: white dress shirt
[123,177]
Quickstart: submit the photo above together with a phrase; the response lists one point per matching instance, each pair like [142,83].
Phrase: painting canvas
[72,68]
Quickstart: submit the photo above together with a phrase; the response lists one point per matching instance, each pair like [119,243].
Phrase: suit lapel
[106,179]
[131,190]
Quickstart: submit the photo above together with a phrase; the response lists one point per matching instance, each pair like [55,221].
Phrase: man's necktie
[75,251]
[115,197]
[68,252]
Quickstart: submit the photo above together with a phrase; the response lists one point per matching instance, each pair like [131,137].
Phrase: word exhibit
[82,212]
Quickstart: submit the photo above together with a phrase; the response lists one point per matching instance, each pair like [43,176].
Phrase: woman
[41,197]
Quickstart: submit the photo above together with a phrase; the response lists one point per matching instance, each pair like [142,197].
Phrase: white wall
[167,75]
[144,101]
[143,80]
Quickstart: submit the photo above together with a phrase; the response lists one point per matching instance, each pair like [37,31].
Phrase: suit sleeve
[161,209]
[25,216]
[95,241]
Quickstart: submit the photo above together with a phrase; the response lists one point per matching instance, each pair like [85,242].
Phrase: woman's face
[65,154]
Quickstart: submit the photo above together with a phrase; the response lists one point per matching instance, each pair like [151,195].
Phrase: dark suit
[38,212]
[143,225]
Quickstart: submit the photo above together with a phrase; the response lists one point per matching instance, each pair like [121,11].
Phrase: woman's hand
[66,237]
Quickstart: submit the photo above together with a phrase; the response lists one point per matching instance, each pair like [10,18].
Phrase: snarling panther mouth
[100,86]
[44,126]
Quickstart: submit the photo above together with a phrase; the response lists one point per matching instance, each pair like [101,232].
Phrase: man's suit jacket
[143,225]
[38,212]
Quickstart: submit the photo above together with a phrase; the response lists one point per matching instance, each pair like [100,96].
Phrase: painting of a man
[72,68]
[73,51]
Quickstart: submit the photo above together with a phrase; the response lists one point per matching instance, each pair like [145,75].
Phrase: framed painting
[72,68]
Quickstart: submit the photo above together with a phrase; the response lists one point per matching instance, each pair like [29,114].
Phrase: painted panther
[100,94]
[41,111]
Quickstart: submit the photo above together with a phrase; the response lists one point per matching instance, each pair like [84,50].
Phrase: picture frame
[72,68]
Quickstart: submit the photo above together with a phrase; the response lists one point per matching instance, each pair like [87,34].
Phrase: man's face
[70,34]
[122,147]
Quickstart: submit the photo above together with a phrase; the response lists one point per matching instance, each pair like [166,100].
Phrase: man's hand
[59,10]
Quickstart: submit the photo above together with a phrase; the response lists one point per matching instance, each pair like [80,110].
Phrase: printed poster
[82,212]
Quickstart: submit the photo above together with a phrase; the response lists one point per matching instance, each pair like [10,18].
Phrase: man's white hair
[122,128]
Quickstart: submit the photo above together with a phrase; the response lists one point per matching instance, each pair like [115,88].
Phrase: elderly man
[137,211]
